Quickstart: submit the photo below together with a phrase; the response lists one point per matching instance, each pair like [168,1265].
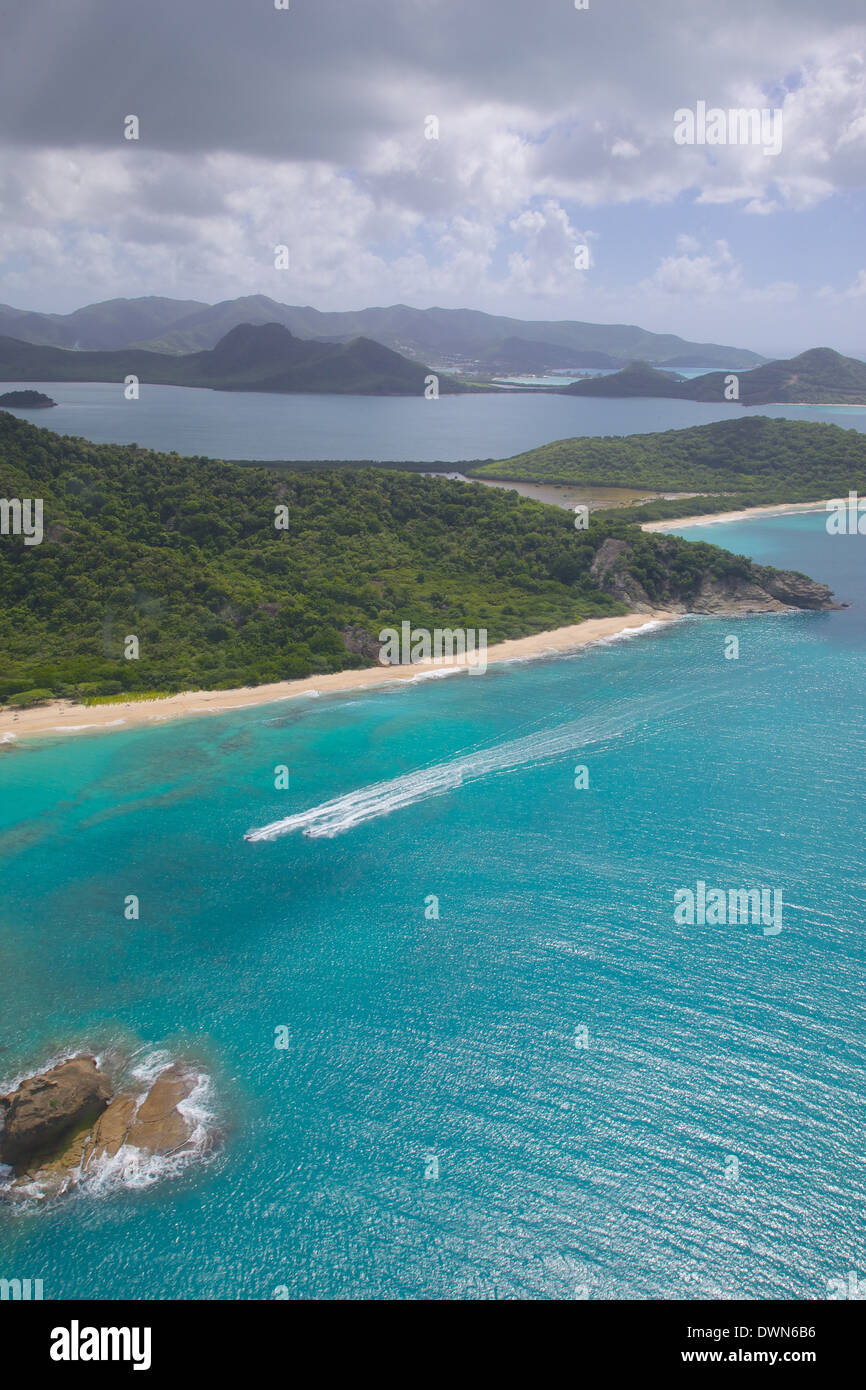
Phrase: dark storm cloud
[328,79]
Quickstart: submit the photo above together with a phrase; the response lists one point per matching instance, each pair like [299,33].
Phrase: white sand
[64,716]
[710,518]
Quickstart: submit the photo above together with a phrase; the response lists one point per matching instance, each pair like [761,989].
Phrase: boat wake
[625,720]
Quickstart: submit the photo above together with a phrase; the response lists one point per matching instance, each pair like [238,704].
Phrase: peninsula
[230,578]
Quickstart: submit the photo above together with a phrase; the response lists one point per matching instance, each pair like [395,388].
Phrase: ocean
[257,425]
[510,1071]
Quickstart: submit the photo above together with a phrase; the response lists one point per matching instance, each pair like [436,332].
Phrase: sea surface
[257,425]
[551,1089]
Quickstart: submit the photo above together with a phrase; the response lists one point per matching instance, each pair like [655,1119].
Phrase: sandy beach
[64,716]
[710,518]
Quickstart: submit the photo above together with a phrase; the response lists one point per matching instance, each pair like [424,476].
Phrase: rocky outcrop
[611,570]
[360,643]
[154,1123]
[796,590]
[43,1110]
[728,584]
[64,1126]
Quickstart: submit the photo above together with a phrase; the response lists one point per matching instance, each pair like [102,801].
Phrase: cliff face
[738,587]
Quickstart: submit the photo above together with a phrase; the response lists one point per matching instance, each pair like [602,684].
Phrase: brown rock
[610,570]
[159,1125]
[360,643]
[795,589]
[152,1122]
[110,1131]
[41,1113]
[741,587]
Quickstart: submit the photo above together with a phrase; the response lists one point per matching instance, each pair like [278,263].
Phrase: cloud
[709,274]
[307,127]
[556,256]
[856,290]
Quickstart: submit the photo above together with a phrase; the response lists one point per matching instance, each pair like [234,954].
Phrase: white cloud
[551,263]
[711,273]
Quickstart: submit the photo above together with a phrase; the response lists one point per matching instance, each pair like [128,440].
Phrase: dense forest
[183,553]
[753,460]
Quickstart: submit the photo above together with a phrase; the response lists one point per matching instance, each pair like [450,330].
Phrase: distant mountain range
[817,377]
[445,338]
[260,357]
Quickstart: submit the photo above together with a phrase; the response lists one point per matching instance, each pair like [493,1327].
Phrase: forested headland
[185,555]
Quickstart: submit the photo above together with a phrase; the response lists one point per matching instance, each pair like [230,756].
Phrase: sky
[309,127]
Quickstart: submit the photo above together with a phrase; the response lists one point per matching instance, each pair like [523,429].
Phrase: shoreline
[64,716]
[710,518]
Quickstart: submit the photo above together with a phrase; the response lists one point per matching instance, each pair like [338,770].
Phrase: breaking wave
[135,1168]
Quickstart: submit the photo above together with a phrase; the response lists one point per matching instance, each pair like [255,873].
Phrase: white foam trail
[381,798]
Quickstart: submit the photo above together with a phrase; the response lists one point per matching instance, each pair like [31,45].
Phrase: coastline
[710,518]
[64,716]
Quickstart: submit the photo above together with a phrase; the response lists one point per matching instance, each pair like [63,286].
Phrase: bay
[255,425]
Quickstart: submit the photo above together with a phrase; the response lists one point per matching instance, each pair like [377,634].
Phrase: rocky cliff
[730,584]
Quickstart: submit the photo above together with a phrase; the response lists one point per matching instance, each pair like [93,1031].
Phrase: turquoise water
[563,1170]
[253,425]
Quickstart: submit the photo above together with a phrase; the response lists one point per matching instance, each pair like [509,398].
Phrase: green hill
[750,459]
[637,379]
[114,323]
[184,554]
[817,377]
[261,357]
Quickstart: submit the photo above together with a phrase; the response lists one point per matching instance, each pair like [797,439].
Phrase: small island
[25,400]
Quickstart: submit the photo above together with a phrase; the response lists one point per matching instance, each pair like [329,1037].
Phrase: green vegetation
[752,460]
[26,699]
[183,553]
[819,376]
[185,556]
[637,379]
[140,697]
